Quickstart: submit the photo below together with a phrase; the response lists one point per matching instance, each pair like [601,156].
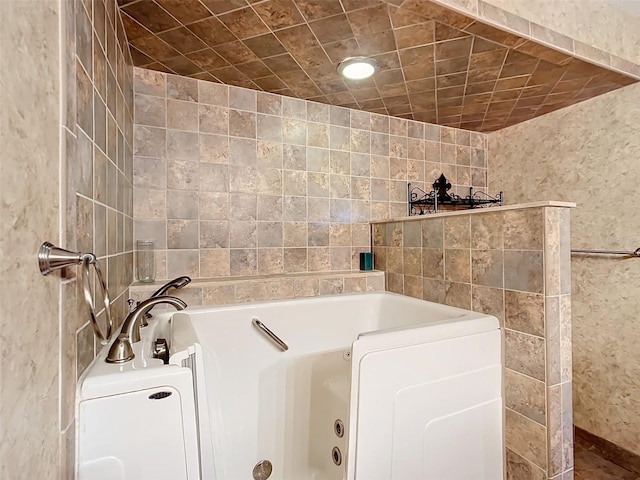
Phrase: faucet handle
[132,304]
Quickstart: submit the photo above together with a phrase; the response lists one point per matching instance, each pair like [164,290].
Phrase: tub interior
[265,404]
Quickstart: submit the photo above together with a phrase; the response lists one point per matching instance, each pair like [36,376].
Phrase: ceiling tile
[279,14]
[151,15]
[316,9]
[265,45]
[332,29]
[435,64]
[185,11]
[244,23]
[212,32]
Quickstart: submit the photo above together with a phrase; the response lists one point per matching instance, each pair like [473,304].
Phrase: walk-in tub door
[425,407]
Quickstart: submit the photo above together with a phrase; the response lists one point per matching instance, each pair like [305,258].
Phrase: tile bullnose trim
[543,204]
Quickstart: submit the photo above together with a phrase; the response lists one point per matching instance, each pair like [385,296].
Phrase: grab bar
[635,253]
[269,334]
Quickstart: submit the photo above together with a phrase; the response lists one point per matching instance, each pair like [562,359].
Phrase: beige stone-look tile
[183,175]
[360,141]
[398,168]
[318,259]
[457,265]
[519,468]
[149,142]
[213,148]
[525,395]
[565,251]
[250,291]
[182,115]
[213,93]
[523,270]
[331,285]
[242,152]
[269,154]
[182,204]
[487,267]
[214,262]
[554,429]
[243,262]
[243,234]
[433,290]
[524,229]
[269,128]
[525,354]
[375,283]
[486,230]
[526,437]
[182,234]
[214,234]
[182,88]
[183,145]
[213,119]
[317,135]
[150,110]
[149,82]
[183,262]
[340,258]
[279,289]
[339,138]
[432,233]
[553,340]
[149,204]
[394,282]
[458,295]
[380,258]
[243,206]
[295,259]
[566,350]
[270,208]
[223,294]
[488,300]
[242,124]
[412,261]
[525,312]
[294,131]
[457,232]
[317,112]
[242,99]
[269,234]
[413,286]
[270,261]
[395,262]
[355,284]
[411,234]
[306,287]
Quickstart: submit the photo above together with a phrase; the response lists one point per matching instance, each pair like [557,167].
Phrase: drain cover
[262,470]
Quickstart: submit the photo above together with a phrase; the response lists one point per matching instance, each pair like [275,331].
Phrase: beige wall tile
[525,354]
[525,312]
[527,437]
[523,271]
[526,396]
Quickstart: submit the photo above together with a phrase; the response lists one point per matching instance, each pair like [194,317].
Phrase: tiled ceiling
[436,65]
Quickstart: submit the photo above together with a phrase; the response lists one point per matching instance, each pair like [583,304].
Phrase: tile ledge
[196,282]
[549,203]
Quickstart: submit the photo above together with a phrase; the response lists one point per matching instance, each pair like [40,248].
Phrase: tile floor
[589,465]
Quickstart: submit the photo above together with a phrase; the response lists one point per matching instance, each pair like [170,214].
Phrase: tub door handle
[269,334]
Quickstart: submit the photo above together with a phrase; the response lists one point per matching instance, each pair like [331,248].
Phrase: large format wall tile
[281,184]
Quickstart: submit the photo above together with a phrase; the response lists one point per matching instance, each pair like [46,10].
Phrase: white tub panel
[410,399]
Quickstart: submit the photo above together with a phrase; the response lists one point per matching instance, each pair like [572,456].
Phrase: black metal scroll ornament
[421,202]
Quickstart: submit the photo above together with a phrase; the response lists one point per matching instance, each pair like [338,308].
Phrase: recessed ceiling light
[357,68]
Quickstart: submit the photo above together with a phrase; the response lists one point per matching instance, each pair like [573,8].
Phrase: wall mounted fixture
[421,202]
[357,68]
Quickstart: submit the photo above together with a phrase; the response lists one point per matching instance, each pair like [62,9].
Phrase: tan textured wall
[234,182]
[29,351]
[67,183]
[589,154]
[512,264]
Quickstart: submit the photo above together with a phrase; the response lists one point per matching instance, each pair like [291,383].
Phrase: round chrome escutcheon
[262,470]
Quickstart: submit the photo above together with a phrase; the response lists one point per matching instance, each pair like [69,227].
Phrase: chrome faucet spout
[175,283]
[121,350]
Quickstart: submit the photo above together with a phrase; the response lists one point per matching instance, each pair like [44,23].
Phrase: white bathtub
[420,395]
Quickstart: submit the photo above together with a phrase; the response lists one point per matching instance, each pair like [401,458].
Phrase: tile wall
[234,182]
[96,182]
[514,264]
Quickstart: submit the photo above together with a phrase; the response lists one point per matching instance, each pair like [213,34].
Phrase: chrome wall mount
[51,258]
[634,253]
